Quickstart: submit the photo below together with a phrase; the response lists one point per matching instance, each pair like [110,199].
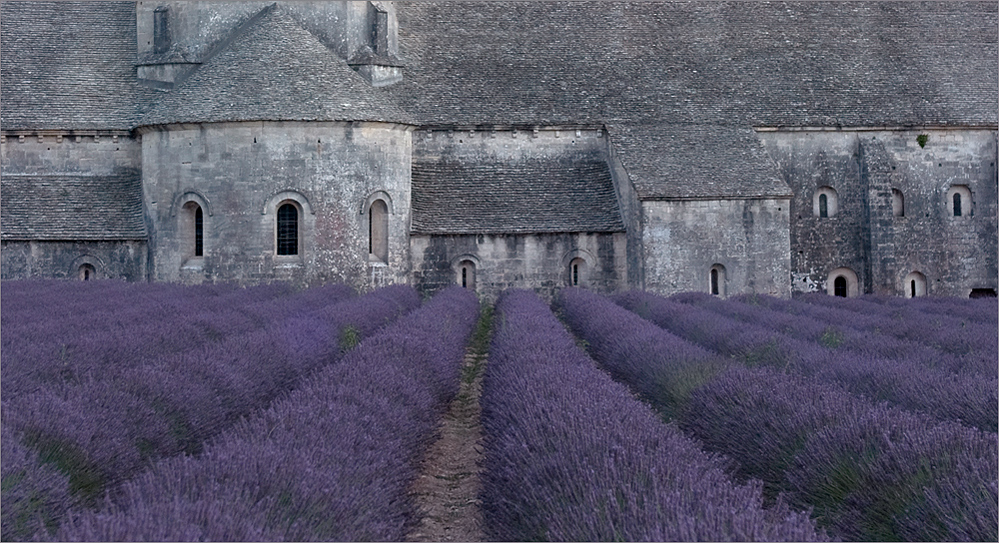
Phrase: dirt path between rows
[447,489]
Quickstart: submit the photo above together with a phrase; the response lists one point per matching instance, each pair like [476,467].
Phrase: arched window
[897,203]
[199,232]
[914,285]
[191,232]
[466,274]
[378,232]
[840,286]
[87,272]
[716,280]
[825,202]
[842,282]
[577,272]
[959,201]
[287,229]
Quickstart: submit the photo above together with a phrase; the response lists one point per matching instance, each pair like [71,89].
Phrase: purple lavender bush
[35,496]
[104,429]
[570,455]
[890,475]
[871,472]
[130,328]
[332,460]
[663,367]
[761,417]
[774,425]
[905,326]
[763,339]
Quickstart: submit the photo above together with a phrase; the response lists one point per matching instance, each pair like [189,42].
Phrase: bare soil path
[447,489]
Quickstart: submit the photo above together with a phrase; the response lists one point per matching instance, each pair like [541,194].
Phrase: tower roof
[274,70]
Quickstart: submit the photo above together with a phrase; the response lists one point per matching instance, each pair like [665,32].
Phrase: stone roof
[562,194]
[275,69]
[726,63]
[65,207]
[69,65]
[696,161]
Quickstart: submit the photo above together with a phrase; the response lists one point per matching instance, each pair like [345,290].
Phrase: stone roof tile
[64,207]
[69,65]
[696,161]
[563,194]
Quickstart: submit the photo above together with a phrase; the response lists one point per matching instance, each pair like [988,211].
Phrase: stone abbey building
[727,147]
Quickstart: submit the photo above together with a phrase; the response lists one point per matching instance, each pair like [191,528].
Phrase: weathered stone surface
[956,254]
[684,239]
[243,171]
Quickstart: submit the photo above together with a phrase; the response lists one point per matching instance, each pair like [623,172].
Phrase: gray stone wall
[684,239]
[70,153]
[540,262]
[955,254]
[63,259]
[240,172]
[505,143]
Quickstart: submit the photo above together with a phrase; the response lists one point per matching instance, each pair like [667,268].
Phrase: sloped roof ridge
[272,68]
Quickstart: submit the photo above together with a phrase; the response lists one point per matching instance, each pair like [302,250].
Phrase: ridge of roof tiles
[71,207]
[69,65]
[274,70]
[549,195]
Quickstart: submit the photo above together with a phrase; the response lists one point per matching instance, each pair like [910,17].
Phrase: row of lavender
[980,310]
[119,415]
[868,471]
[907,374]
[330,461]
[118,328]
[882,330]
[573,456]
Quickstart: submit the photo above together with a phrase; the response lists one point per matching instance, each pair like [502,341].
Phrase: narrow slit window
[378,231]
[87,272]
[199,232]
[915,285]
[897,203]
[287,230]
[466,274]
[716,280]
[577,272]
[823,206]
[957,204]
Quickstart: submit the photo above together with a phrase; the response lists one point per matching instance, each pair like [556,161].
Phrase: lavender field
[157,412]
